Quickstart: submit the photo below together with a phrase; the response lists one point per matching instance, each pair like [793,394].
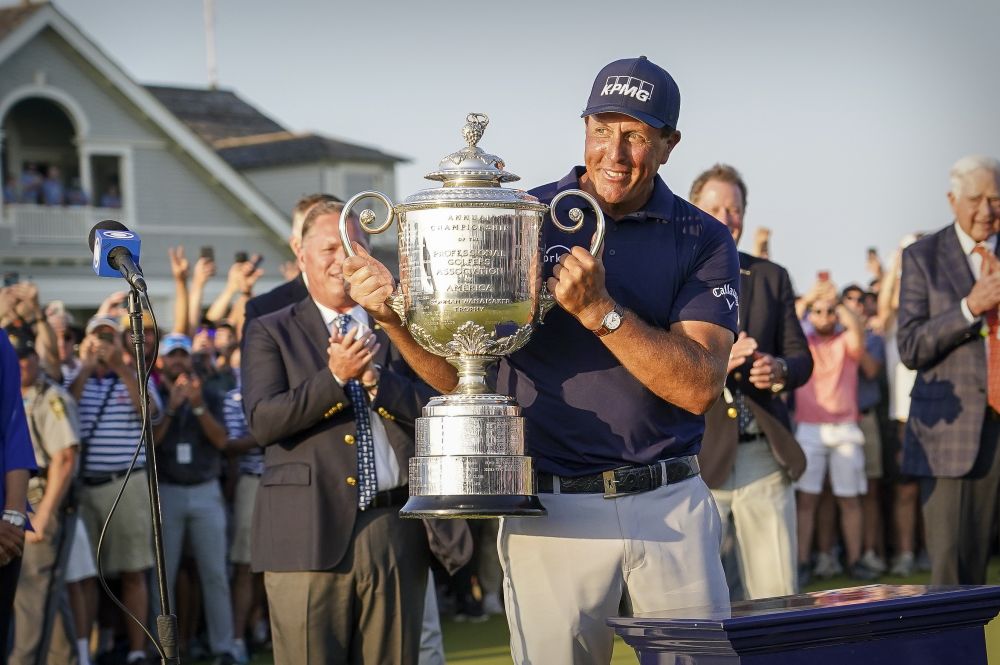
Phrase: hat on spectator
[637,88]
[99,320]
[21,340]
[175,342]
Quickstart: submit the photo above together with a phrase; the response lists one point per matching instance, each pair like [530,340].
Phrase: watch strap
[604,329]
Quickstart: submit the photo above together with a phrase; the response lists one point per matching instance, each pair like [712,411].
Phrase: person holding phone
[189,443]
[107,392]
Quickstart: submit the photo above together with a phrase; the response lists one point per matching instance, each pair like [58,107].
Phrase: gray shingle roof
[248,139]
[11,17]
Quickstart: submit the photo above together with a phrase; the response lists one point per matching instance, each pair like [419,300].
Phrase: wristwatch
[198,411]
[779,385]
[15,518]
[611,321]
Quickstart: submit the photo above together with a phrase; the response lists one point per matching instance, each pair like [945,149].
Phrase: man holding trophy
[611,386]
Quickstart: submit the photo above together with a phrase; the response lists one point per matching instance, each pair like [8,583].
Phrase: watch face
[612,320]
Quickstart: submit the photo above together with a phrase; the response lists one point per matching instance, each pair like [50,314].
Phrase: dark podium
[915,625]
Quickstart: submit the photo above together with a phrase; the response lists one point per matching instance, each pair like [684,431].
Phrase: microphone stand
[166,622]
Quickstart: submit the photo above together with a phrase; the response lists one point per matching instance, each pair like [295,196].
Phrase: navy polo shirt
[586,413]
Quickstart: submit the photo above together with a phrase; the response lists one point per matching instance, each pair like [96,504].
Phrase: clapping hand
[350,356]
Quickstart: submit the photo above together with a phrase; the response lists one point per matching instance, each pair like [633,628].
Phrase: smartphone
[257,261]
[823,275]
[208,252]
[241,257]
[106,337]
[872,252]
[11,278]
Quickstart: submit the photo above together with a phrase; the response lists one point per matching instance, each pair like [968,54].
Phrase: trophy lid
[472,176]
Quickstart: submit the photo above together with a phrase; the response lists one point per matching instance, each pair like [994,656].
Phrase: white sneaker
[902,565]
[827,565]
[873,561]
[240,651]
[491,603]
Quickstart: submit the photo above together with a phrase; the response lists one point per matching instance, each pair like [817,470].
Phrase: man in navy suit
[334,405]
[750,456]
[949,293]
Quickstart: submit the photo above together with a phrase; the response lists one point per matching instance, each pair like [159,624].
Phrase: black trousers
[960,514]
[8,586]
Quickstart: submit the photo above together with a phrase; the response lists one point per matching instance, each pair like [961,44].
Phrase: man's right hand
[985,293]
[370,285]
[743,348]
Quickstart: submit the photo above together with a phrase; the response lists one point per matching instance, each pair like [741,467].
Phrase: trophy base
[472,506]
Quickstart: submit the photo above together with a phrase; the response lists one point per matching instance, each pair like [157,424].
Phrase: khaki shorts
[128,544]
[246,494]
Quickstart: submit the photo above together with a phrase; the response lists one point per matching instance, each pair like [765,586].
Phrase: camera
[11,278]
[208,252]
[106,337]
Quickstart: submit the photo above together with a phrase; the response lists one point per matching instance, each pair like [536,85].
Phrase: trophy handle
[367,217]
[576,215]
[546,301]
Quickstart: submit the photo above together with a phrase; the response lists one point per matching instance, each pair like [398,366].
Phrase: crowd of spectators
[856,512]
[50,187]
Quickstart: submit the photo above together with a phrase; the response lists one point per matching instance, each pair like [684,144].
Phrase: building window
[105,173]
[40,162]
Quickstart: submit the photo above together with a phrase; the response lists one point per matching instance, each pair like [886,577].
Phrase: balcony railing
[38,224]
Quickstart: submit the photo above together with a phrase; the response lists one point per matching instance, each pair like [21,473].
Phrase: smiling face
[622,156]
[724,201]
[321,259]
[976,203]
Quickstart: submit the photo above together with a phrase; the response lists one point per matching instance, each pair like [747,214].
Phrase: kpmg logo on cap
[628,86]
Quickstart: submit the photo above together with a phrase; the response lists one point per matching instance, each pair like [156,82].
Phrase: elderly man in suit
[334,406]
[948,332]
[750,456]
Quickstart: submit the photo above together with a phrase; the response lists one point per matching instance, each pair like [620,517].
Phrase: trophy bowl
[470,290]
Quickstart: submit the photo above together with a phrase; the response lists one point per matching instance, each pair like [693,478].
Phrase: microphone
[116,252]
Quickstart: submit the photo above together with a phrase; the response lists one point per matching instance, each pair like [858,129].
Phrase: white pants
[762,500]
[567,572]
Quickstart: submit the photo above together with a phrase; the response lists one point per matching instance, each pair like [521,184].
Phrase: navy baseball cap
[637,88]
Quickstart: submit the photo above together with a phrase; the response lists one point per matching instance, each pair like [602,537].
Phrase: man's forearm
[670,364]
[433,369]
[58,478]
[16,489]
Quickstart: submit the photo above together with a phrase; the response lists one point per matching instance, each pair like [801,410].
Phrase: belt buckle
[611,486]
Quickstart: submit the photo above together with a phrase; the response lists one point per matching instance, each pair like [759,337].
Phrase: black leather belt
[397,496]
[625,479]
[98,479]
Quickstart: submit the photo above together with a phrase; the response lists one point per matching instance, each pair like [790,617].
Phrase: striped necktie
[367,480]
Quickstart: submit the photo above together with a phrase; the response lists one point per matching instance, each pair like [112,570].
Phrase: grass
[487,643]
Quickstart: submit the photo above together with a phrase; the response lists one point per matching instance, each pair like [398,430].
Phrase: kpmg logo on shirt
[729,293]
[627,86]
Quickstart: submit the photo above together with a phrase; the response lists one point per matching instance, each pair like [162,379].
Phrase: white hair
[970,164]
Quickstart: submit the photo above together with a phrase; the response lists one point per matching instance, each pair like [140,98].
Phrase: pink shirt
[831,395]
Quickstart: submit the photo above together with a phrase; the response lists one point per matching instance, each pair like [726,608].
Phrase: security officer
[41,606]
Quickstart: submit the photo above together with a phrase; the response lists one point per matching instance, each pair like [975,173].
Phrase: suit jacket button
[352,481]
[349,439]
[737,376]
[340,405]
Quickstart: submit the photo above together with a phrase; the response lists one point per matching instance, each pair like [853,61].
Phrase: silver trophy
[470,290]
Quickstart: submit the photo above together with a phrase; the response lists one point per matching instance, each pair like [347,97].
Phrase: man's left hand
[40,524]
[765,371]
[11,542]
[577,284]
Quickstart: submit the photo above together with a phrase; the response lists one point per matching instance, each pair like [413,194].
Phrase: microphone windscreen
[108,225]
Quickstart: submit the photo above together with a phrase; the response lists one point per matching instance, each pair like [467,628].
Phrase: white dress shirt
[386,466]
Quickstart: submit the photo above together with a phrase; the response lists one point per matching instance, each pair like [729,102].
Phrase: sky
[843,117]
